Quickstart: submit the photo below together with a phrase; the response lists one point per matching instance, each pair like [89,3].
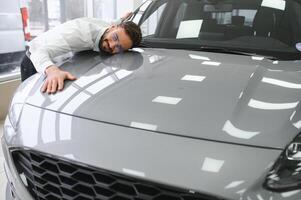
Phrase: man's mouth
[106,46]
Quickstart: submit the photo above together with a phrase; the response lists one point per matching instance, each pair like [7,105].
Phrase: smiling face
[115,40]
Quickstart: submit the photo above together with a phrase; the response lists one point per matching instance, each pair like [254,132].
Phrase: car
[206,108]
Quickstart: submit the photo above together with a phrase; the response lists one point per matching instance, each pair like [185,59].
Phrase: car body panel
[228,102]
[225,170]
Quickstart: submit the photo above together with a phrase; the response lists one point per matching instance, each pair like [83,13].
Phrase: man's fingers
[54,86]
[70,76]
[44,87]
[61,84]
[49,85]
[55,80]
[126,16]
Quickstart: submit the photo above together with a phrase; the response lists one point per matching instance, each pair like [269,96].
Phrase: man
[74,36]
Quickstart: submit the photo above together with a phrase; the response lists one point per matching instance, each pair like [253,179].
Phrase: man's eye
[115,37]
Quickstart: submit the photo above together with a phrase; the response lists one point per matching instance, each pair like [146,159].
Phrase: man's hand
[126,16]
[55,79]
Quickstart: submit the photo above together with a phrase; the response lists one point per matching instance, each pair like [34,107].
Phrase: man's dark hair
[133,31]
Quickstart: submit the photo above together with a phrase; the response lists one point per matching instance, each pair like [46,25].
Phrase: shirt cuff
[96,44]
[100,34]
[41,68]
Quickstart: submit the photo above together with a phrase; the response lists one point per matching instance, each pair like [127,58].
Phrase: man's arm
[72,36]
[55,77]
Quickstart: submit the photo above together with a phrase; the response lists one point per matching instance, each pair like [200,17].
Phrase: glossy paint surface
[220,97]
[212,123]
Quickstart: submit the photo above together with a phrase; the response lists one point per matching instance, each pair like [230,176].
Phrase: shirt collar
[98,38]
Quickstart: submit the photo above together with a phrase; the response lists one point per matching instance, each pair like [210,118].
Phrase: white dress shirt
[73,36]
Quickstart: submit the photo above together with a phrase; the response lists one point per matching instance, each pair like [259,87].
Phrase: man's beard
[101,41]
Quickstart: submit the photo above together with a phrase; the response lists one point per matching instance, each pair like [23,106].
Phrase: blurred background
[45,14]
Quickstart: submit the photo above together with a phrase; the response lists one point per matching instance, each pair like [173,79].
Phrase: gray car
[207,108]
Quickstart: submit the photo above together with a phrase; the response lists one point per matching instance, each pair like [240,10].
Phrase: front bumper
[15,188]
[10,191]
[216,169]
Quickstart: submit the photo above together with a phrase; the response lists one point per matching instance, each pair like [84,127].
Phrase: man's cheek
[107,45]
[103,47]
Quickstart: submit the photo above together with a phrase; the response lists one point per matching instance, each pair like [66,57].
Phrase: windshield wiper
[230,51]
[162,44]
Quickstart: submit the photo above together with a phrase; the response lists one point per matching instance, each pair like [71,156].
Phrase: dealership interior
[150,99]
[40,16]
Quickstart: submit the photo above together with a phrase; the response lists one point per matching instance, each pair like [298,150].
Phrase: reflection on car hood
[212,96]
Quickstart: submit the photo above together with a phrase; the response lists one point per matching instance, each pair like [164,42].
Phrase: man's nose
[112,45]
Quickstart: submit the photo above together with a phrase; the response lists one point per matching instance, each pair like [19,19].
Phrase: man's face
[115,40]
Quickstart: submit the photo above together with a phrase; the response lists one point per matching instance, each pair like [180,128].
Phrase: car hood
[219,97]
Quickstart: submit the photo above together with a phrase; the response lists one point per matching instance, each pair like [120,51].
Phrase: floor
[2,173]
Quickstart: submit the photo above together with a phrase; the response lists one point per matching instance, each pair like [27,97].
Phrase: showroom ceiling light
[167,100]
[193,78]
[133,172]
[144,126]
[189,29]
[211,63]
[281,83]
[271,106]
[234,184]
[277,4]
[257,58]
[212,165]
[197,57]
[238,133]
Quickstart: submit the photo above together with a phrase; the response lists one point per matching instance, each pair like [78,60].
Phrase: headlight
[20,96]
[286,173]
[14,114]
[12,120]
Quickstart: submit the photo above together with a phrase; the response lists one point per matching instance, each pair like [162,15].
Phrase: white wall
[124,6]
[108,10]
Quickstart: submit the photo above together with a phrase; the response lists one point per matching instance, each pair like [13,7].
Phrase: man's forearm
[41,61]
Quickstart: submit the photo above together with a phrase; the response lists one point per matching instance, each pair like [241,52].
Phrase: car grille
[50,178]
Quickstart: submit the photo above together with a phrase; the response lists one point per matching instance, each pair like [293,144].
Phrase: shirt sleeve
[72,36]
[41,60]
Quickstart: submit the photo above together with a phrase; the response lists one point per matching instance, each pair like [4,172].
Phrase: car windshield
[264,27]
